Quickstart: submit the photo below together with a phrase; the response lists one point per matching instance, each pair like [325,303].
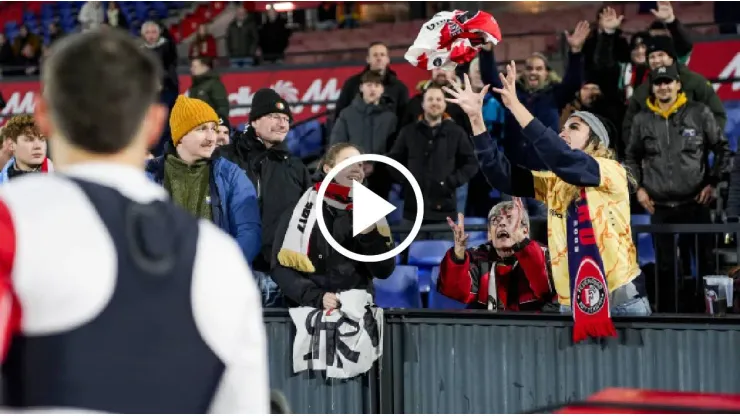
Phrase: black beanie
[267,101]
[661,43]
[224,122]
[639,38]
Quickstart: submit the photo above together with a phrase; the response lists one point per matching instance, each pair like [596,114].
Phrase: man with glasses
[279,177]
[509,272]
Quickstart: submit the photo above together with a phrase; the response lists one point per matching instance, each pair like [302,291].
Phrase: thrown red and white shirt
[452,38]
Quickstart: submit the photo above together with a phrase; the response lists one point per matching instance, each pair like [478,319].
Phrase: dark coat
[209,88]
[279,178]
[334,272]
[242,39]
[670,157]
[395,90]
[440,162]
[696,87]
[366,125]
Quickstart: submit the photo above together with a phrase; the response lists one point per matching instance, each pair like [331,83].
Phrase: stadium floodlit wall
[481,362]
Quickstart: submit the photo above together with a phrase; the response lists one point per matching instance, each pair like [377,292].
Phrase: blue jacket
[233,202]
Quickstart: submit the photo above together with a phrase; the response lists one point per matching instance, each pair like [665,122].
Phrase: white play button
[367,208]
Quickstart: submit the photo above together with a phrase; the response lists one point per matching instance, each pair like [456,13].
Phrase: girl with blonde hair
[593,257]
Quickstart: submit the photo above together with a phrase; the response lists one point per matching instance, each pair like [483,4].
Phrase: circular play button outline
[370,258]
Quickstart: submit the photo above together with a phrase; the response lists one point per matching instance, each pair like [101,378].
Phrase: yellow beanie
[187,114]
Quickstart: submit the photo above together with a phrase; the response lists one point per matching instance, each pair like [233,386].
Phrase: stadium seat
[400,290]
[645,248]
[426,254]
[476,235]
[438,300]
[396,198]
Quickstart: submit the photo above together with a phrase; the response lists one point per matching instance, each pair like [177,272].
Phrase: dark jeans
[674,264]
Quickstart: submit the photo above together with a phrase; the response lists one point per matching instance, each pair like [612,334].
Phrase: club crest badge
[590,294]
[280,106]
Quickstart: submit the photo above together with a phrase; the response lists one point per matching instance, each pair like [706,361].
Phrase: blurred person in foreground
[126,277]
[27,146]
[587,194]
[214,189]
[279,177]
[668,154]
[310,272]
[509,272]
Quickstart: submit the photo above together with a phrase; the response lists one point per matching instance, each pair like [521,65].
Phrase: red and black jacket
[523,281]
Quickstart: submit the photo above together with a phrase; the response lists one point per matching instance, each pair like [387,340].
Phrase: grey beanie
[595,124]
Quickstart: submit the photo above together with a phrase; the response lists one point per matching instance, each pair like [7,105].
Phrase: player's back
[122,302]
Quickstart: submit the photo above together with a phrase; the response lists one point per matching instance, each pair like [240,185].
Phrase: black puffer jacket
[669,156]
[279,178]
[334,272]
[440,162]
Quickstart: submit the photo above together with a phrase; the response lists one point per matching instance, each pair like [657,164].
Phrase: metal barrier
[710,241]
[476,361]
[482,362]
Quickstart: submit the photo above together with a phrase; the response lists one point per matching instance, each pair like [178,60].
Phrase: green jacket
[696,87]
[209,88]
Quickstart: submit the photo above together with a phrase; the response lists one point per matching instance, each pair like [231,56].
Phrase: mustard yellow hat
[187,114]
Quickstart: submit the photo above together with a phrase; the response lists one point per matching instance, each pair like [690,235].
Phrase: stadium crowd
[630,99]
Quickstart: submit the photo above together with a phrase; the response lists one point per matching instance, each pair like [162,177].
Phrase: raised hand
[459,236]
[609,21]
[508,83]
[664,12]
[578,37]
[470,101]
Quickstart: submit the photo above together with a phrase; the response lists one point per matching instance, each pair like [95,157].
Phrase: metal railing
[477,362]
[683,250]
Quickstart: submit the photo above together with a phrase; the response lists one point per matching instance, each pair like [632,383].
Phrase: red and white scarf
[588,286]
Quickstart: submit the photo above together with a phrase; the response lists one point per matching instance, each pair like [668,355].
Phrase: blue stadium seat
[395,198]
[426,254]
[462,197]
[305,140]
[645,248]
[438,300]
[400,290]
[477,242]
[476,235]
[47,11]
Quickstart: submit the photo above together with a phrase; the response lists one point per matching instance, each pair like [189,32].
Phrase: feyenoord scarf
[589,290]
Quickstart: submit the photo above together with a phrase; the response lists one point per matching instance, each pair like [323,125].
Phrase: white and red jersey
[452,38]
[112,299]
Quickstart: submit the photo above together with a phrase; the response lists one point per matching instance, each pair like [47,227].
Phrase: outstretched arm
[572,166]
[494,164]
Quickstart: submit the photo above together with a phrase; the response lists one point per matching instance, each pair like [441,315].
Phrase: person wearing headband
[593,257]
